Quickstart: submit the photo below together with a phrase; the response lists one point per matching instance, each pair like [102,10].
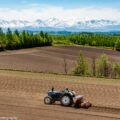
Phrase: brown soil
[51,59]
[22,97]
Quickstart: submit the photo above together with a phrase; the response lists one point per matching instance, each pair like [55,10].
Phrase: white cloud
[36,11]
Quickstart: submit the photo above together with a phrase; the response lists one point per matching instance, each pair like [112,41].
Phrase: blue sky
[64,3]
[64,9]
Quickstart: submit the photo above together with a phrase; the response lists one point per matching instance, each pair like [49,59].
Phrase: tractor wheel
[48,100]
[66,100]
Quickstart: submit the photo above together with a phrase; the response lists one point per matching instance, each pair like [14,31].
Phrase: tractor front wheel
[48,100]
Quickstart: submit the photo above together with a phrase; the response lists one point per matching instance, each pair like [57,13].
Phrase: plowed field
[51,59]
[22,94]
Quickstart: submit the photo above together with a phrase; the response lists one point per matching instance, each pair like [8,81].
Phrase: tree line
[101,67]
[92,39]
[16,40]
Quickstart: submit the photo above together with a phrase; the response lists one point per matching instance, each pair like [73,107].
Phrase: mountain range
[54,24]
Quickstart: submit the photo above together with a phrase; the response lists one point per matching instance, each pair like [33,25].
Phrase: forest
[91,39]
[17,40]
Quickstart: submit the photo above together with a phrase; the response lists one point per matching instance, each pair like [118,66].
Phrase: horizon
[65,10]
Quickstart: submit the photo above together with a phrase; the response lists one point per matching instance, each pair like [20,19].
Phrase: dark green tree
[17,33]
[42,34]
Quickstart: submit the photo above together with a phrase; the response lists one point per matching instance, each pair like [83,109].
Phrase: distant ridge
[54,24]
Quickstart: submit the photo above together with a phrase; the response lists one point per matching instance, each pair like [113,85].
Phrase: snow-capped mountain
[54,24]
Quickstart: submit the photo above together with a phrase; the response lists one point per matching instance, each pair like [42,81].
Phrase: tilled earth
[51,59]
[22,97]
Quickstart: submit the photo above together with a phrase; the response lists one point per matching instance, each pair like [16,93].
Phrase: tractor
[65,97]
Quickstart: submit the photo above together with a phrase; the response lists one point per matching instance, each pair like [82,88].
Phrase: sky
[62,9]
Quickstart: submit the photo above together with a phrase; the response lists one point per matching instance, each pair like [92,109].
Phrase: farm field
[51,59]
[22,94]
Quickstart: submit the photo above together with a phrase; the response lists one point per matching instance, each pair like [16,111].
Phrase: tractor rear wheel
[66,100]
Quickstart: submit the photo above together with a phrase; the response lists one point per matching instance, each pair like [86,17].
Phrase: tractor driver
[66,90]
